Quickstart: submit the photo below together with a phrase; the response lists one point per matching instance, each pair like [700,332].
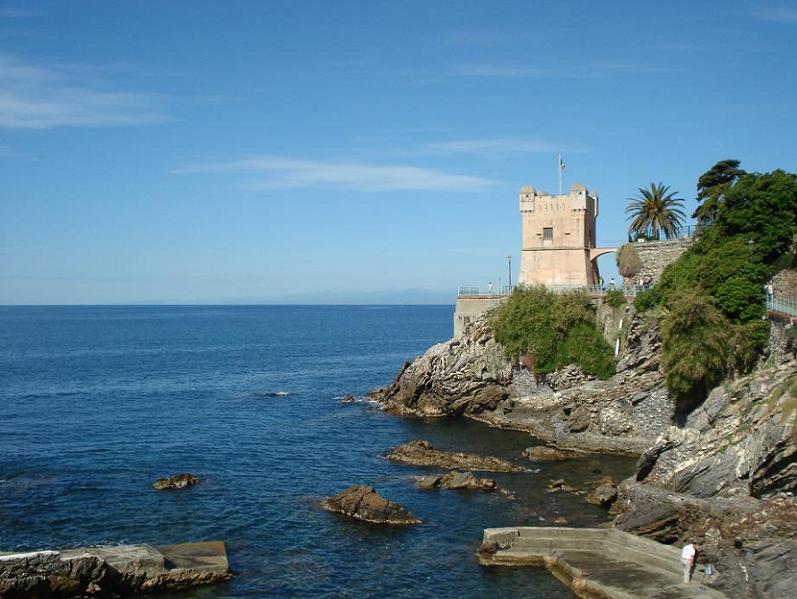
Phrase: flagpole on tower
[559,166]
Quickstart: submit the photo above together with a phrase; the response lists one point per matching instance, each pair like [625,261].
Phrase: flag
[561,164]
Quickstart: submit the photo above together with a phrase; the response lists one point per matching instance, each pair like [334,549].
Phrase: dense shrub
[645,300]
[615,298]
[701,346]
[557,329]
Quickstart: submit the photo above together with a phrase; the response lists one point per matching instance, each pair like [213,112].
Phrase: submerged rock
[362,502]
[456,480]
[178,481]
[422,453]
[560,485]
[542,453]
[604,493]
[347,399]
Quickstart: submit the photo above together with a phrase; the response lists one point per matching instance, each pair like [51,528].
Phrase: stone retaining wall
[784,284]
[657,255]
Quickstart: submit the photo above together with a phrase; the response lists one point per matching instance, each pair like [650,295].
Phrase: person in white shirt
[688,560]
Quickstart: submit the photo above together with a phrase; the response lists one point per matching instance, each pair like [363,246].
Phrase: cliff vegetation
[711,299]
[553,330]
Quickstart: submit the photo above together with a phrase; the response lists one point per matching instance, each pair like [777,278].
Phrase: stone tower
[558,240]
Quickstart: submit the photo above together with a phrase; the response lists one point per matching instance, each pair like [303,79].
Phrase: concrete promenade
[598,563]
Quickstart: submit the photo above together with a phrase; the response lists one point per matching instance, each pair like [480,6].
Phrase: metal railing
[786,305]
[659,235]
[595,290]
[484,291]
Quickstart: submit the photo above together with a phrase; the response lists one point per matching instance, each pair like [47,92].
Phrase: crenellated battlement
[558,244]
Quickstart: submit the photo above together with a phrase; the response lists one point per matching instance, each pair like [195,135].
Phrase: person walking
[688,561]
[611,283]
[490,288]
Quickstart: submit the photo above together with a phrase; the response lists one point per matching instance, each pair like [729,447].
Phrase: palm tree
[653,210]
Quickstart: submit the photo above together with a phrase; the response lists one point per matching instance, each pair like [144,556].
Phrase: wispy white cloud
[274,172]
[599,70]
[16,13]
[498,145]
[42,97]
[779,13]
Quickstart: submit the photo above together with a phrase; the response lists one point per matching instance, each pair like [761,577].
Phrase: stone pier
[595,563]
[112,571]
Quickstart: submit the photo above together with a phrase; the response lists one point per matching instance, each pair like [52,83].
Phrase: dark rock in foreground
[456,480]
[422,453]
[116,571]
[179,481]
[362,502]
[542,453]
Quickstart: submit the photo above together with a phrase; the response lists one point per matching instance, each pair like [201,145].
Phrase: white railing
[786,305]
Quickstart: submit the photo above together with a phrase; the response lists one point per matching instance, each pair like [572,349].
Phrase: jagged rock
[540,453]
[560,485]
[422,453]
[178,481]
[469,374]
[362,502]
[456,480]
[604,493]
[347,399]
[725,480]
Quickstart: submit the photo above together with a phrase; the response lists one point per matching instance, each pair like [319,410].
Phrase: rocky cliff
[726,478]
[723,477]
[472,376]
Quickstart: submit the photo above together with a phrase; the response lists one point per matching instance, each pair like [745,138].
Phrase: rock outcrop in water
[362,502]
[457,481]
[422,453]
[540,453]
[178,481]
[467,375]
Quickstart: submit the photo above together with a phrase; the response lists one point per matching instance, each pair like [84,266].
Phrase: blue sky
[355,151]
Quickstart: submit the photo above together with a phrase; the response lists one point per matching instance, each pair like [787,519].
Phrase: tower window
[547,234]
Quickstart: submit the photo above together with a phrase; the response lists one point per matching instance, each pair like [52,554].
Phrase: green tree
[653,210]
[711,188]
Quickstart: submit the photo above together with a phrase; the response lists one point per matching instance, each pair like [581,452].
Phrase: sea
[98,402]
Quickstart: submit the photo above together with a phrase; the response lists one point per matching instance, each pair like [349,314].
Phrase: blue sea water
[97,402]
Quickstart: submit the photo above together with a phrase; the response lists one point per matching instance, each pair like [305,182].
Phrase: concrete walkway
[597,562]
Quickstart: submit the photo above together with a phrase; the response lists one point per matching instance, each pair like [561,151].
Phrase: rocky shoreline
[722,476]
